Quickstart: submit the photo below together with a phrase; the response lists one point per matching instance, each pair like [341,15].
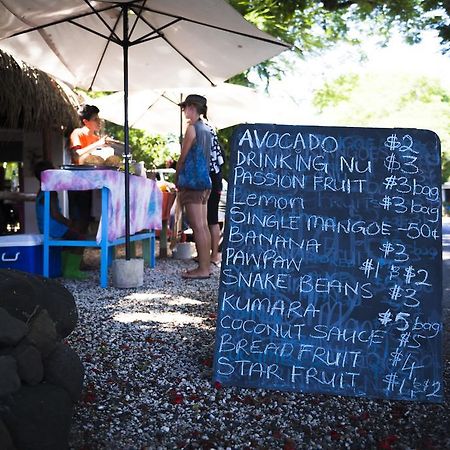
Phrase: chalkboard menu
[331,270]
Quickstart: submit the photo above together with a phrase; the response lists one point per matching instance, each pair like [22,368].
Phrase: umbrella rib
[168,98]
[176,50]
[148,109]
[103,36]
[216,27]
[150,36]
[138,15]
[50,24]
[48,41]
[103,54]
[97,13]
[107,8]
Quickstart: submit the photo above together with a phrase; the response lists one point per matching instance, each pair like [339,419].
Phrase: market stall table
[145,211]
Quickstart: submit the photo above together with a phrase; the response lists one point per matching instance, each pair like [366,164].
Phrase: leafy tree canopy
[407,101]
[311,26]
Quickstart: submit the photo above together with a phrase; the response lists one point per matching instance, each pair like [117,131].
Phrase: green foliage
[224,136]
[152,149]
[445,167]
[425,91]
[335,92]
[310,26]
[406,101]
[305,23]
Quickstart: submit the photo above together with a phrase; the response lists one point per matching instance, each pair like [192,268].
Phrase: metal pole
[126,132]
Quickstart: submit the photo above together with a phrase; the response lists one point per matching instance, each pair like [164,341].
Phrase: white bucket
[128,273]
[184,250]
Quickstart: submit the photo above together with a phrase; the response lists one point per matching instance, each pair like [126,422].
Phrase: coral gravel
[148,357]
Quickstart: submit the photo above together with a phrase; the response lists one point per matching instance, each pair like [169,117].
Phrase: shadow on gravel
[148,358]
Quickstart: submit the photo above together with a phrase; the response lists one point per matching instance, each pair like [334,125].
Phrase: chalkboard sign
[331,270]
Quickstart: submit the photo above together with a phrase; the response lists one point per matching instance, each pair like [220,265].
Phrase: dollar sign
[387,248]
[391,163]
[409,273]
[386,202]
[392,142]
[390,182]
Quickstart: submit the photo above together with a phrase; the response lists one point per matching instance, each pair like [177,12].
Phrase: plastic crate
[25,252]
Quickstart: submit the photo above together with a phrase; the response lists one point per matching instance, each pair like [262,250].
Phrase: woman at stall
[194,200]
[83,141]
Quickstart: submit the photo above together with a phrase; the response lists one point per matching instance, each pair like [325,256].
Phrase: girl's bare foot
[195,274]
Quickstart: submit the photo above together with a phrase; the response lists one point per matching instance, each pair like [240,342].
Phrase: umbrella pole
[126,132]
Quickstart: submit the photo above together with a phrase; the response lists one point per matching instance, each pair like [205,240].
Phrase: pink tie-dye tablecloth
[145,197]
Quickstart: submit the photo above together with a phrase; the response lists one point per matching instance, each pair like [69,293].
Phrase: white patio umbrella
[170,43]
[111,45]
[228,104]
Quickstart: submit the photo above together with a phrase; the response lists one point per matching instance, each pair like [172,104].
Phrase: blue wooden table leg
[146,251]
[104,241]
[46,259]
[152,249]
[111,254]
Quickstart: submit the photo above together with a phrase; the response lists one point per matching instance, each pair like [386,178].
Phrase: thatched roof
[32,100]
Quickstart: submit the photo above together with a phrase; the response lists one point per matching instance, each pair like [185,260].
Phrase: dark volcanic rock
[12,330]
[23,294]
[6,442]
[38,417]
[29,363]
[9,378]
[42,333]
[64,368]
[40,377]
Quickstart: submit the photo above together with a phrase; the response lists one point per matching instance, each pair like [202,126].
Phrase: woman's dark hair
[201,109]
[40,166]
[198,101]
[87,111]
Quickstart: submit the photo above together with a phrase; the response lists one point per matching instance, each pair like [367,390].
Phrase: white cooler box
[25,252]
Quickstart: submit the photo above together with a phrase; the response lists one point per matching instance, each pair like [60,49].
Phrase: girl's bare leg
[196,215]
[215,239]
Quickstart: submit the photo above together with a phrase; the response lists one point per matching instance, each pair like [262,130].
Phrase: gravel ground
[148,356]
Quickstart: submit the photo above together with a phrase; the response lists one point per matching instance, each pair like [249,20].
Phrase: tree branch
[335,5]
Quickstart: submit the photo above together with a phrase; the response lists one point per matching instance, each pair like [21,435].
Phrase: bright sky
[397,57]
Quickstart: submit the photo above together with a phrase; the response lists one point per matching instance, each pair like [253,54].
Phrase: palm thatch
[32,100]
